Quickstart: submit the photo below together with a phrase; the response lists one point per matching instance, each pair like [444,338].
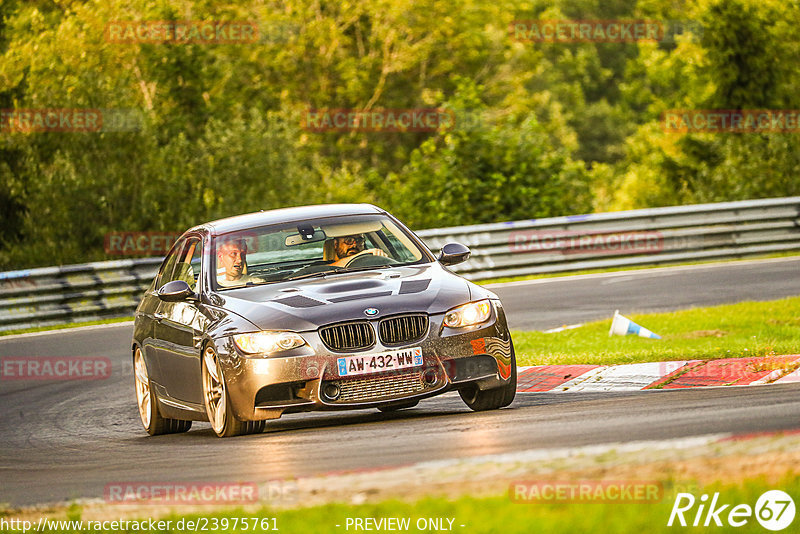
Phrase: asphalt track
[67,440]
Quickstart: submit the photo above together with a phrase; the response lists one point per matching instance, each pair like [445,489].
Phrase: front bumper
[265,388]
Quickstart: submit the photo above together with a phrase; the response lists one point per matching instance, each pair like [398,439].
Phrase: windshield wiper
[318,274]
[338,270]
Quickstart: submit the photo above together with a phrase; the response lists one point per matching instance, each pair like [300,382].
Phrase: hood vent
[299,301]
[359,296]
[413,286]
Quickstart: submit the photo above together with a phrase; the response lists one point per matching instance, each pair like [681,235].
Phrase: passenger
[232,261]
[347,246]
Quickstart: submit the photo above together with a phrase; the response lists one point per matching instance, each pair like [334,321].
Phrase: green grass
[63,326]
[501,515]
[633,268]
[729,331]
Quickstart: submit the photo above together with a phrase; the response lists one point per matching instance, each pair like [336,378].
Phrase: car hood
[304,305]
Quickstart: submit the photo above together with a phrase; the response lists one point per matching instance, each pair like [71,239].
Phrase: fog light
[331,391]
[430,377]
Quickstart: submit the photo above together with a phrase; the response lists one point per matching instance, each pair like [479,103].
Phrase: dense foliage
[541,129]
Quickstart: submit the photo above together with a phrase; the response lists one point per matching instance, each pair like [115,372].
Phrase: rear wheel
[147,402]
[401,406]
[492,399]
[218,407]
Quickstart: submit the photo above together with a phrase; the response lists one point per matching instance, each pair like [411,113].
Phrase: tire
[395,407]
[220,414]
[495,398]
[147,402]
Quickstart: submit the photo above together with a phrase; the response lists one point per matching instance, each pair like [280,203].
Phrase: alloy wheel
[214,391]
[144,399]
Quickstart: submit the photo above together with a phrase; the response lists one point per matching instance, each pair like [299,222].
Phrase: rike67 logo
[774,510]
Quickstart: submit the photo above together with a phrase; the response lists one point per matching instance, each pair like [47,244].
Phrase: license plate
[376,362]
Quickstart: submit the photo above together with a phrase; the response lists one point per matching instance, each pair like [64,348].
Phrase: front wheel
[218,407]
[492,399]
[147,401]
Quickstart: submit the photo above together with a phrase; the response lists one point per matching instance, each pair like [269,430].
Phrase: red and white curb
[659,375]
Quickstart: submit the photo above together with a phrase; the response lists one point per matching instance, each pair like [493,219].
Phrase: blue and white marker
[622,326]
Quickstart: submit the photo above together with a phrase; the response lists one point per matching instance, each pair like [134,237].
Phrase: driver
[232,261]
[345,247]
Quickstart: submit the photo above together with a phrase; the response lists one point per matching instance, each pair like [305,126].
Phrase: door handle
[159,316]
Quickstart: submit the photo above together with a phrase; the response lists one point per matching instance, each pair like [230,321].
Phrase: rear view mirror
[453,253]
[175,291]
[296,239]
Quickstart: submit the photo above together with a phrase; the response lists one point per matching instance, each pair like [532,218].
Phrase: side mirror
[453,253]
[175,291]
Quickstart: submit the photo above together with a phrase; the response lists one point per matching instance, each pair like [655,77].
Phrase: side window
[196,262]
[187,267]
[168,267]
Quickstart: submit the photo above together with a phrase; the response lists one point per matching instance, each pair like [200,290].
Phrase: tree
[489,170]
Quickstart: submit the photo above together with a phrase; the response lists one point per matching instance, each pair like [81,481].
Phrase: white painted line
[73,329]
[642,272]
[562,328]
[580,379]
[539,455]
[794,376]
[628,377]
[593,450]
[512,465]
[771,377]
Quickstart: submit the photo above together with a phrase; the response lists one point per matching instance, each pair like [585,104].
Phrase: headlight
[468,314]
[268,342]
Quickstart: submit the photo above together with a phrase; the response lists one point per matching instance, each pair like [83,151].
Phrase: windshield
[279,253]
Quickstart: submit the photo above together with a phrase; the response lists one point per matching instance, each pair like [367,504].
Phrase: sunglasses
[350,240]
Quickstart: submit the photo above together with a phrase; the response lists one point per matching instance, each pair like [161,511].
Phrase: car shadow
[447,405]
[441,406]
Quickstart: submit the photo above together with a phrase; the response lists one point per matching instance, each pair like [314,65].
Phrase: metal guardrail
[653,236]
[78,293]
[73,293]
